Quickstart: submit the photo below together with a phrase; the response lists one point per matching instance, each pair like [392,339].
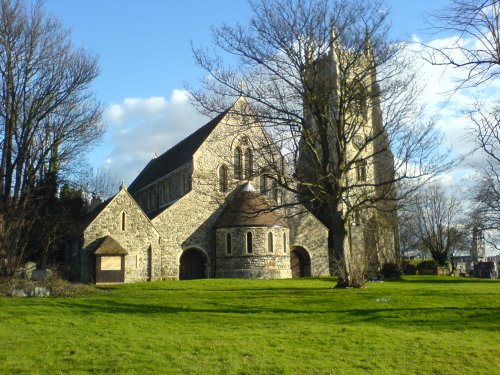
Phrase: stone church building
[206,208]
[201,210]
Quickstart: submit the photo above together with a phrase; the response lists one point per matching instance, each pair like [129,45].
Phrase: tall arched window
[124,218]
[361,170]
[237,164]
[223,179]
[248,163]
[274,190]
[263,184]
[249,243]
[284,242]
[228,244]
[270,244]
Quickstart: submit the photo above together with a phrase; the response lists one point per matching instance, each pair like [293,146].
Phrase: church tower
[344,151]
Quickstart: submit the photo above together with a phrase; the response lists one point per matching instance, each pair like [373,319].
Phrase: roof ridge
[222,114]
[159,166]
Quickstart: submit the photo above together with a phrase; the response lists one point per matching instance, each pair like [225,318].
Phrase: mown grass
[418,325]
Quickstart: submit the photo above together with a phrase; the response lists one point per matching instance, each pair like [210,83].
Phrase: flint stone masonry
[307,232]
[198,215]
[260,263]
[139,238]
[175,206]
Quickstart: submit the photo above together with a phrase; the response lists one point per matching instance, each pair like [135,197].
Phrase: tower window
[237,164]
[270,244]
[248,163]
[274,190]
[124,218]
[361,170]
[249,243]
[223,179]
[284,242]
[228,244]
[263,184]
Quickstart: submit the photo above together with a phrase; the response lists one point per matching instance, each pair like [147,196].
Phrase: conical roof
[249,209]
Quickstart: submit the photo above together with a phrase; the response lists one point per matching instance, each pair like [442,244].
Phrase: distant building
[478,249]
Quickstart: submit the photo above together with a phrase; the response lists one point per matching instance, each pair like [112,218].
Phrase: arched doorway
[192,265]
[300,262]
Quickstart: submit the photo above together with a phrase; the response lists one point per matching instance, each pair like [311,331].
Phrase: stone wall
[261,263]
[140,239]
[308,232]
[189,222]
[186,224]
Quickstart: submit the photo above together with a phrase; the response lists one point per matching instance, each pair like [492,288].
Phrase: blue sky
[144,49]
[145,46]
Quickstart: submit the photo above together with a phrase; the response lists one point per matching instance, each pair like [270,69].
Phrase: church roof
[109,246]
[179,155]
[249,209]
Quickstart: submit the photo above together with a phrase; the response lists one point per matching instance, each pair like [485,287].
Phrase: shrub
[427,265]
[57,286]
[409,268]
[391,271]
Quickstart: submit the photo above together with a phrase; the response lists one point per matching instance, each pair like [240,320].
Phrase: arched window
[237,164]
[249,243]
[274,189]
[228,244]
[270,244]
[284,242]
[124,218]
[361,170]
[223,179]
[263,184]
[248,163]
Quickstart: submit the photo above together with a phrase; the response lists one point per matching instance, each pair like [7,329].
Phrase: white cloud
[139,126]
[448,106]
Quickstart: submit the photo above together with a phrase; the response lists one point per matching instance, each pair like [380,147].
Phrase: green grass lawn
[419,325]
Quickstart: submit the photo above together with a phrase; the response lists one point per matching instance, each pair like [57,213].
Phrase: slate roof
[249,209]
[109,246]
[182,153]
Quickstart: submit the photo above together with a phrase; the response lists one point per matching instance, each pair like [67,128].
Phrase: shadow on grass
[442,280]
[440,318]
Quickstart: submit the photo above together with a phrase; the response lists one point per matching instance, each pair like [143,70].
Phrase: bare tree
[409,244]
[341,102]
[96,183]
[476,45]
[485,120]
[476,51]
[48,115]
[437,223]
[48,118]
